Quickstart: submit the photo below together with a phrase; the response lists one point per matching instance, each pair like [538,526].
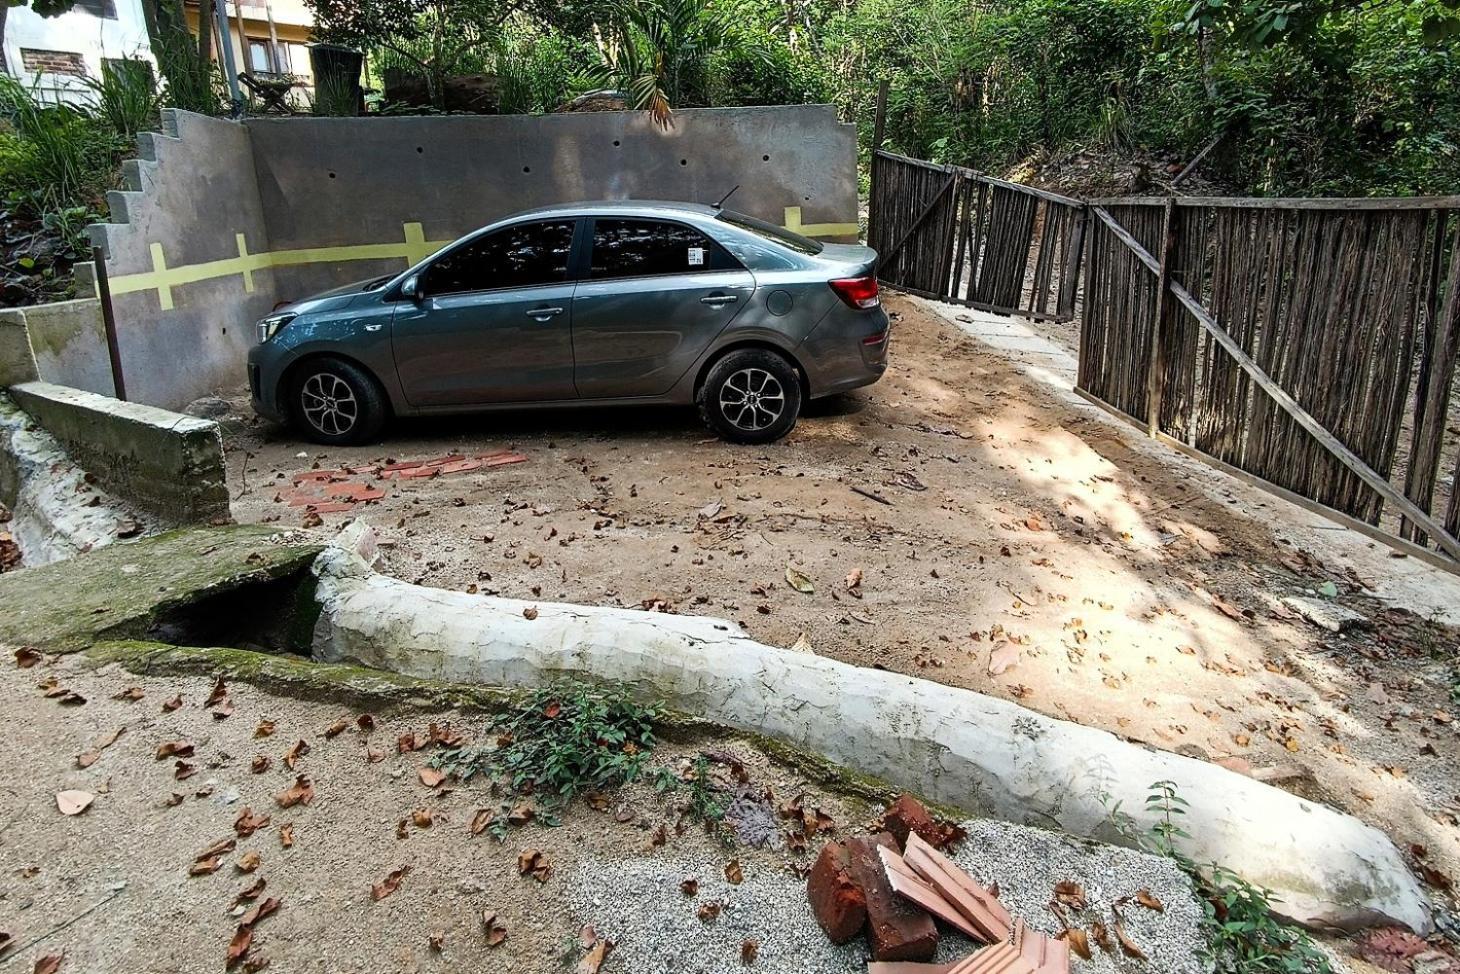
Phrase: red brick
[907,815]
[896,929]
[836,899]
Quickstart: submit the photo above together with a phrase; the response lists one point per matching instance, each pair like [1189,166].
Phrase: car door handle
[715,300]
[543,314]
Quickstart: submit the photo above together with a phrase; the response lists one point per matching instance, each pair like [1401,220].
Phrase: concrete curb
[48,496]
[164,462]
[989,756]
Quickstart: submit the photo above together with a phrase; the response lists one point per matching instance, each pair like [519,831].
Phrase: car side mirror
[411,288]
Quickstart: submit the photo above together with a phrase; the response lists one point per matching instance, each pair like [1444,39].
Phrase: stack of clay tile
[894,883]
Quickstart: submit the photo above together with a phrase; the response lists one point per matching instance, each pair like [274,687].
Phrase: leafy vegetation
[1298,96]
[560,742]
[1243,935]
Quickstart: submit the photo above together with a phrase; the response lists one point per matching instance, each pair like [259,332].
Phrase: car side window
[640,248]
[522,255]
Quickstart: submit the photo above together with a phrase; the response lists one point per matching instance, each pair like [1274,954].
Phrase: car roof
[663,208]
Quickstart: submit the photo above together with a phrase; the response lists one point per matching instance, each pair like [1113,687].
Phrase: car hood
[338,297]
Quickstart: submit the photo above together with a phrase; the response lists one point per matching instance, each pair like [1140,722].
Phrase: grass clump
[557,743]
[1243,935]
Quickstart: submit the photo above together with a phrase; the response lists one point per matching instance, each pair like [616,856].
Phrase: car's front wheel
[751,395]
[336,402]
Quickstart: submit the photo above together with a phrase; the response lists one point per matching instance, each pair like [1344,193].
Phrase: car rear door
[492,322]
[655,294]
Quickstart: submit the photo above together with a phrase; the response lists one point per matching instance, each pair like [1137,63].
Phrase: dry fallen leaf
[248,862]
[74,802]
[336,729]
[26,657]
[483,818]
[1071,894]
[295,752]
[374,755]
[708,911]
[532,862]
[1126,944]
[799,580]
[529,613]
[748,951]
[286,834]
[431,777]
[391,883]
[1003,655]
[205,867]
[495,929]
[1147,899]
[261,763]
[1101,936]
[521,814]
[690,887]
[174,749]
[1077,940]
[238,946]
[219,691]
[252,892]
[248,823]
[299,793]
[49,964]
[264,729]
[262,910]
[733,874]
[89,757]
[168,706]
[131,694]
[366,722]
[422,818]
[593,960]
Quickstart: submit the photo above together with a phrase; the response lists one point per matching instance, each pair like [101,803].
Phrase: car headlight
[269,326]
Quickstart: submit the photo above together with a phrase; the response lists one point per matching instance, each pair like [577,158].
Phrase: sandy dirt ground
[1014,543]
[110,889]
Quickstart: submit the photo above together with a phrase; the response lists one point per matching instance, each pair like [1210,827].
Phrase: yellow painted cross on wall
[414,247]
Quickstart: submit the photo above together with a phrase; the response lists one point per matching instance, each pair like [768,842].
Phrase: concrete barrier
[17,360]
[976,752]
[55,512]
[162,462]
[222,220]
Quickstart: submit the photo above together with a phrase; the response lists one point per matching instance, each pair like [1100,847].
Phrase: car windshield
[782,236]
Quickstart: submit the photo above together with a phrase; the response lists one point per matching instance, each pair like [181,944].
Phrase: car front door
[492,320]
[655,295]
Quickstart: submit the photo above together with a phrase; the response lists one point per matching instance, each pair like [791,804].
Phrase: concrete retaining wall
[979,753]
[336,181]
[192,201]
[222,220]
[165,463]
[66,345]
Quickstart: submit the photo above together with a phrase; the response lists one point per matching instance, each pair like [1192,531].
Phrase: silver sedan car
[588,304]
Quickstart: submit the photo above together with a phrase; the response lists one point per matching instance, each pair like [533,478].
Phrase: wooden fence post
[1156,378]
[879,130]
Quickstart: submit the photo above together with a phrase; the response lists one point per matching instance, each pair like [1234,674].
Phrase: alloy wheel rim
[752,400]
[329,403]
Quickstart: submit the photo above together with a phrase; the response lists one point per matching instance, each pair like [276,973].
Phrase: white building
[56,53]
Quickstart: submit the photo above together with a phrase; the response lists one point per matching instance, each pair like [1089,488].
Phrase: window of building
[258,56]
[98,8]
[639,248]
[523,255]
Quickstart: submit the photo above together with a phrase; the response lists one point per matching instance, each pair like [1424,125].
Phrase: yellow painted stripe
[412,248]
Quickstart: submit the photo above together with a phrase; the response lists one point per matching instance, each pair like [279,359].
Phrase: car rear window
[782,236]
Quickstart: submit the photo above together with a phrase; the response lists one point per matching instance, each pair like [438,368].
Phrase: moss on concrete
[119,591]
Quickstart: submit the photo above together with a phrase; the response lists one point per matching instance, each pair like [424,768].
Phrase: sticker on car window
[696,256]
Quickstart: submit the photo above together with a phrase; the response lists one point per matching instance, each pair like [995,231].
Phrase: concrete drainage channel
[276,593]
[962,748]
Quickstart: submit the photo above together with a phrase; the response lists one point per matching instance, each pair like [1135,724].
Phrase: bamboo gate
[1309,346]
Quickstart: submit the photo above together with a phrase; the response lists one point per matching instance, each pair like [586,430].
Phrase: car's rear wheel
[336,402]
[751,395]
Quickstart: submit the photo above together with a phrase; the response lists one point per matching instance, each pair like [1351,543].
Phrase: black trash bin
[337,89]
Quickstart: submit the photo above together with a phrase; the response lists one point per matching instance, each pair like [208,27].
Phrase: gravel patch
[639,905]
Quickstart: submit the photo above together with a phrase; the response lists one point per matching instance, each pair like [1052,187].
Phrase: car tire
[752,395]
[336,402]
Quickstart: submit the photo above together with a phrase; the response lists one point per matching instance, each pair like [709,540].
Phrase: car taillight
[857,292]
